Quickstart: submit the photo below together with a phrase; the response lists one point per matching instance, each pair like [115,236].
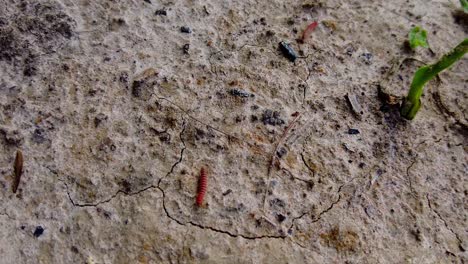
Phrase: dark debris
[270,117]
[240,93]
[39,231]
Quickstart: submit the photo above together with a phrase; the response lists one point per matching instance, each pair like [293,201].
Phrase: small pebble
[281,152]
[280,218]
[185,29]
[287,51]
[270,117]
[39,231]
[186,48]
[161,12]
[240,93]
[353,131]
[367,57]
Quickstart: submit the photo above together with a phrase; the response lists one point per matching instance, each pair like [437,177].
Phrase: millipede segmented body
[202,182]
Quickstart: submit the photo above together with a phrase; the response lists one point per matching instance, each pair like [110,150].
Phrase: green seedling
[418,37]
[464,4]
[412,102]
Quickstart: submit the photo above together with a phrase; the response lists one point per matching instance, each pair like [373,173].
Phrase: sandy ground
[118,104]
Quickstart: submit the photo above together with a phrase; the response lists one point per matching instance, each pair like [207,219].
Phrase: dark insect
[18,170]
[287,51]
[201,187]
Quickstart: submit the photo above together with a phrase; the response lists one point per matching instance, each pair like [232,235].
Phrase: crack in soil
[460,242]
[307,165]
[322,212]
[409,177]
[77,204]
[7,215]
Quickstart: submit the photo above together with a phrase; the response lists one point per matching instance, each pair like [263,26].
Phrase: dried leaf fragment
[18,170]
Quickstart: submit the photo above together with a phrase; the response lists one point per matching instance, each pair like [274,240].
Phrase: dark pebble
[367,57]
[240,93]
[227,192]
[287,51]
[74,249]
[29,70]
[123,77]
[161,12]
[147,1]
[185,29]
[136,88]
[39,231]
[165,137]
[280,218]
[270,117]
[99,119]
[281,152]
[186,48]
[353,131]
[253,118]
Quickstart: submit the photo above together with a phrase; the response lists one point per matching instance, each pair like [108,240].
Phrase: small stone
[287,51]
[270,117]
[353,131]
[161,12]
[185,29]
[240,93]
[123,77]
[136,88]
[280,218]
[367,57]
[99,119]
[165,137]
[39,231]
[281,152]
[74,249]
[186,48]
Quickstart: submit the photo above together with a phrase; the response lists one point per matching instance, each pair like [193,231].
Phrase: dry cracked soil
[116,105]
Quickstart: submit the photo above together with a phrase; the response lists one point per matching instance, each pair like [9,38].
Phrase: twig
[273,155]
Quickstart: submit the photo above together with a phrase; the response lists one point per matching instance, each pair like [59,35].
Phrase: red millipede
[202,181]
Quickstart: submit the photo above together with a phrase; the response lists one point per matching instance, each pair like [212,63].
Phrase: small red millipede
[202,181]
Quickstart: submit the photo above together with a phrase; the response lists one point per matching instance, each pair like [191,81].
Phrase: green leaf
[412,102]
[418,37]
[464,4]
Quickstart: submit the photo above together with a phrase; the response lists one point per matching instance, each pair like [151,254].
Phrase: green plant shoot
[418,37]
[412,102]
[464,4]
